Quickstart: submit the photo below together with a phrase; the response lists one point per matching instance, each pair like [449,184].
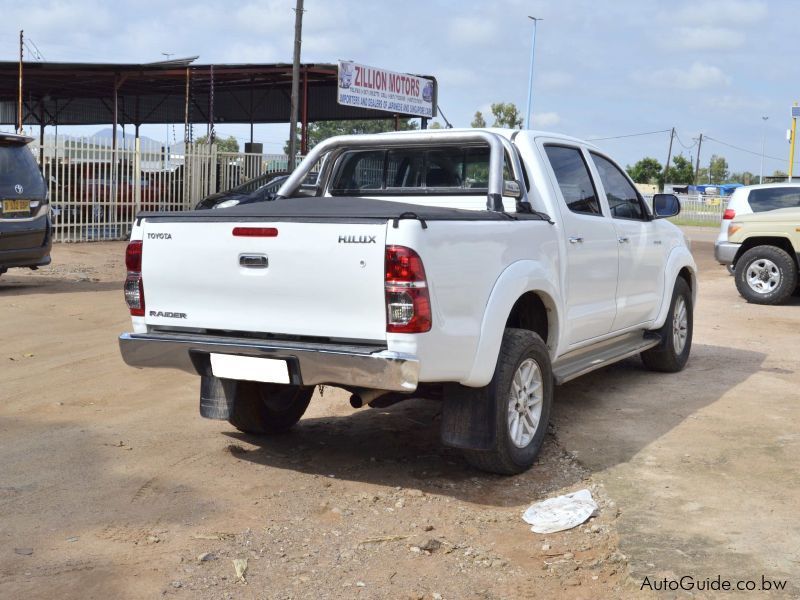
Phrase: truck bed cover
[337,208]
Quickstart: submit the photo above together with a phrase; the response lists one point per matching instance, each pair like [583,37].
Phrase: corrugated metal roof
[83,93]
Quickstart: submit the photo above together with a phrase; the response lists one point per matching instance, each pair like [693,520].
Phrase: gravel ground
[112,485]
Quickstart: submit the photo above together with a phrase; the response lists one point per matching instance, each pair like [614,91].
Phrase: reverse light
[408,304]
[134,287]
[728,214]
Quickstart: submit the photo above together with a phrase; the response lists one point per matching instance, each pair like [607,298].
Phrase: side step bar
[585,360]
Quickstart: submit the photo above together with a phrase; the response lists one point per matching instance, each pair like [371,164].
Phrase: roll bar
[498,145]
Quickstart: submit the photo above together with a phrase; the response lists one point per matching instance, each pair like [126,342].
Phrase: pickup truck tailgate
[301,278]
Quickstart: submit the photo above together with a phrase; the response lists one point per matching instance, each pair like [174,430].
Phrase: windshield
[19,168]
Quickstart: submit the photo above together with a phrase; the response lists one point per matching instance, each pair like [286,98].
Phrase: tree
[322,130]
[228,144]
[682,172]
[506,115]
[478,121]
[779,173]
[435,125]
[745,178]
[647,170]
[718,169]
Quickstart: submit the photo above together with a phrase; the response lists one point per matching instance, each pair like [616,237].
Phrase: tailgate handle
[253,261]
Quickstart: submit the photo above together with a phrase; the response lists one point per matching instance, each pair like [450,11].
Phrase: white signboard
[369,87]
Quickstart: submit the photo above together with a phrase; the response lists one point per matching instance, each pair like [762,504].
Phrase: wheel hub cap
[763,276]
[525,403]
[680,325]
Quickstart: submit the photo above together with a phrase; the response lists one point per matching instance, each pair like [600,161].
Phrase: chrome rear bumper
[309,363]
[725,252]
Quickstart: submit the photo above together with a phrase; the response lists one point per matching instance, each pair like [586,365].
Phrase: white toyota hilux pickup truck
[475,267]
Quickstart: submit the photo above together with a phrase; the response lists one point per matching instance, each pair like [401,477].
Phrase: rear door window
[774,198]
[573,179]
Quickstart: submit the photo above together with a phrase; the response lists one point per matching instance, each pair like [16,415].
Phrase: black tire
[506,457]
[666,357]
[268,408]
[766,264]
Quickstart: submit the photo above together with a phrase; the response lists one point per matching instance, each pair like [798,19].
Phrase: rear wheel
[268,408]
[671,355]
[766,275]
[521,394]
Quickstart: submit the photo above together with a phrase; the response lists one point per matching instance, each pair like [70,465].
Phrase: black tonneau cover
[337,209]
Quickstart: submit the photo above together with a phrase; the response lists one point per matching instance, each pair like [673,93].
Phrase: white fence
[699,209]
[95,191]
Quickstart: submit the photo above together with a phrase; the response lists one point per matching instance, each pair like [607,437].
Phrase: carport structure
[175,91]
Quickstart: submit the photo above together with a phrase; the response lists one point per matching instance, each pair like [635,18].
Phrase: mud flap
[468,418]
[217,397]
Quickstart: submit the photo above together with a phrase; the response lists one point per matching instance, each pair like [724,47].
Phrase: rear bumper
[309,363]
[25,243]
[725,252]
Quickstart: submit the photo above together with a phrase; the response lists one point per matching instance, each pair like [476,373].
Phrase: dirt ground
[112,486]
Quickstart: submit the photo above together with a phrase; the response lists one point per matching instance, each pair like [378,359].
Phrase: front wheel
[268,408]
[671,355]
[766,275]
[521,394]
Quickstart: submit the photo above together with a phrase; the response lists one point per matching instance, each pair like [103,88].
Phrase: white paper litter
[560,513]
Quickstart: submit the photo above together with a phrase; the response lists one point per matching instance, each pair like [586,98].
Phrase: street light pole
[530,71]
[763,141]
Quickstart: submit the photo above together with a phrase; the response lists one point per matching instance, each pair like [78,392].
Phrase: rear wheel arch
[534,311]
[779,242]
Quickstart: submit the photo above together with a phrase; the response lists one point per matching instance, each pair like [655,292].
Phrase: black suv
[25,228]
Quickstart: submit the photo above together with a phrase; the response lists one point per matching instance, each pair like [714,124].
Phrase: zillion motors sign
[378,89]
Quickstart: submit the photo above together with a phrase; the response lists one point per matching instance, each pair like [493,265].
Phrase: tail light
[408,304]
[134,288]
[728,214]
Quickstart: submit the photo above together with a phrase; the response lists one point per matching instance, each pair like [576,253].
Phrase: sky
[601,69]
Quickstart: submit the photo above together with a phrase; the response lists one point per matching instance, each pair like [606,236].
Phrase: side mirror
[666,205]
[512,188]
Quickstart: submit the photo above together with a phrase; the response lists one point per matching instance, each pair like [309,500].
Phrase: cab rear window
[773,198]
[445,170]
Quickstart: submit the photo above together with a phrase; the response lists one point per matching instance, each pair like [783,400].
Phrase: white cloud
[455,76]
[707,38]
[470,31]
[546,119]
[553,80]
[732,103]
[714,12]
[698,76]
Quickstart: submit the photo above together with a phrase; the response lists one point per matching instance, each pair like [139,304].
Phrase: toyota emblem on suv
[18,188]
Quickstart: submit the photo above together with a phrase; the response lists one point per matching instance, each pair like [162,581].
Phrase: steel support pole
[298,30]
[763,142]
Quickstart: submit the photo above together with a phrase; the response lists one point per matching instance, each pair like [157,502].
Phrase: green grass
[694,222]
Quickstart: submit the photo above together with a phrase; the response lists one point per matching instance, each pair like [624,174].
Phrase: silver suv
[25,228]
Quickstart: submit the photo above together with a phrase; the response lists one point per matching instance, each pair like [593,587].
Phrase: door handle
[623,240]
[253,261]
[576,240]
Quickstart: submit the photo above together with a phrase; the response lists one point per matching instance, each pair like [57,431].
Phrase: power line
[617,137]
[753,152]
[677,137]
